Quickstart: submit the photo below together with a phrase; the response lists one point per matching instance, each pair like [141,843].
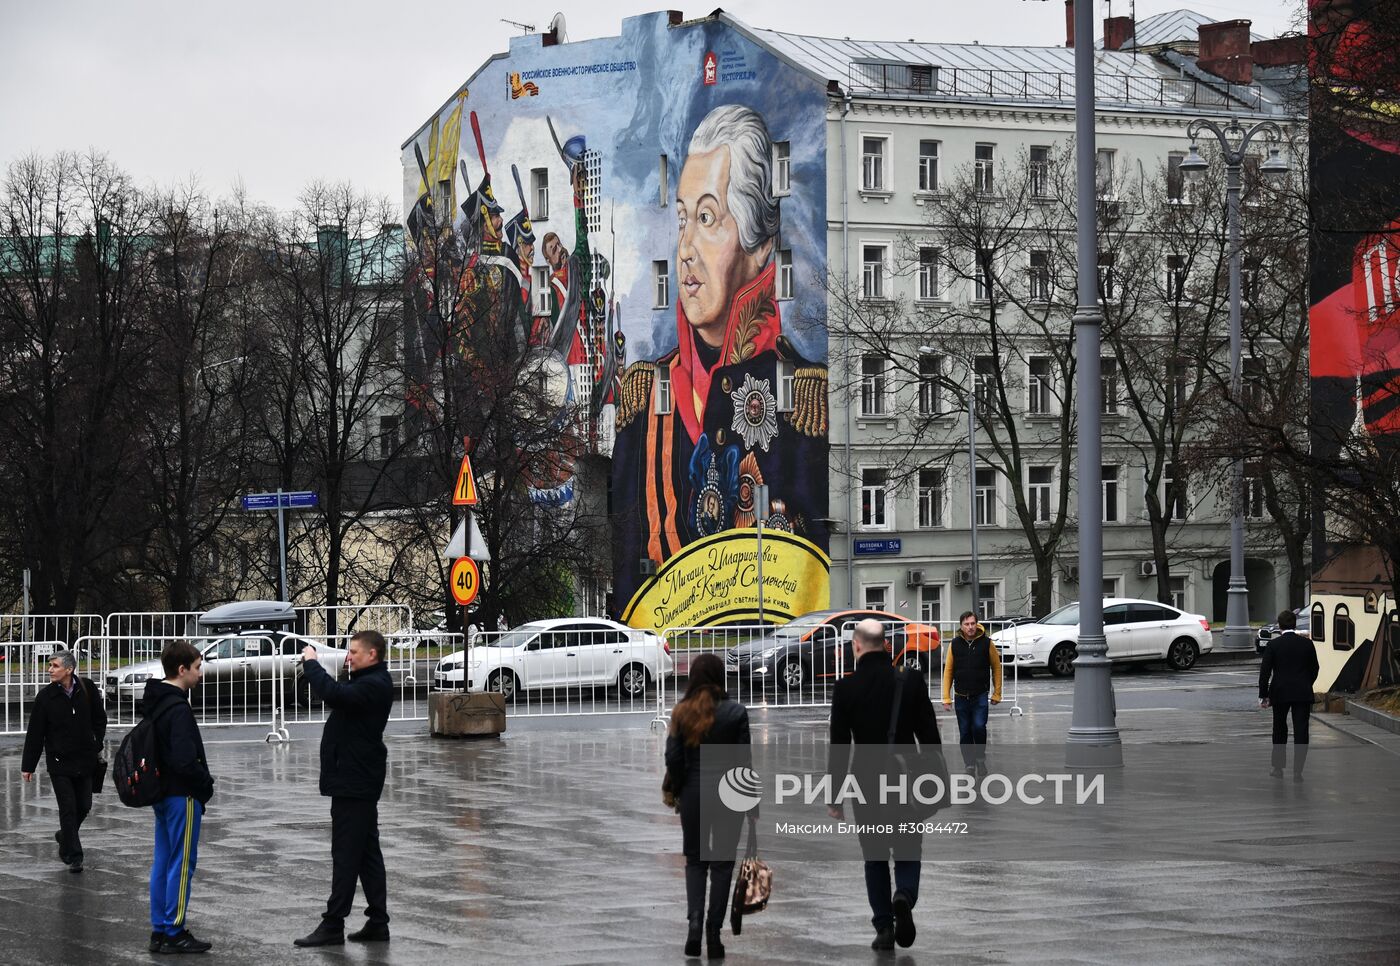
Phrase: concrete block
[460,714]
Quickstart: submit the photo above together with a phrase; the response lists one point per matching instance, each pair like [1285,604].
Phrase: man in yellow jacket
[972,678]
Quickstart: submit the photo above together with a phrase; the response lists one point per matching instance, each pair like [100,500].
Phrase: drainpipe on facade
[846,355]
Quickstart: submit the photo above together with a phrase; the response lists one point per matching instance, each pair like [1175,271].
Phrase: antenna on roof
[528,28]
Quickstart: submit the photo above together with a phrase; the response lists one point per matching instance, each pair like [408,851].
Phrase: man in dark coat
[353,763]
[861,706]
[1286,679]
[67,723]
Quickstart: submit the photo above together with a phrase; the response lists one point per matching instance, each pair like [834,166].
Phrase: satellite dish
[556,27]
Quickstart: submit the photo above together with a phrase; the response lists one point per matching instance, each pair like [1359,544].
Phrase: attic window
[921,77]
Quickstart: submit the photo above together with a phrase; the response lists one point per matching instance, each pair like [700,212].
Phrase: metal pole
[282,541]
[846,355]
[1093,739]
[26,593]
[760,507]
[1237,636]
[972,481]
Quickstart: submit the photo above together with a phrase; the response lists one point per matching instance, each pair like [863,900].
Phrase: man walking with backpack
[67,723]
[353,763]
[185,787]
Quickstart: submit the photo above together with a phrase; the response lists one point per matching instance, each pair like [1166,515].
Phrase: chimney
[1281,51]
[675,18]
[1116,32]
[1069,23]
[1224,50]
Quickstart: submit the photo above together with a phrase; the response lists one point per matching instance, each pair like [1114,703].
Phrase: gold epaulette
[636,392]
[809,413]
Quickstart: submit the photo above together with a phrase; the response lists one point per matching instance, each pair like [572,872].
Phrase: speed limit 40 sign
[465,579]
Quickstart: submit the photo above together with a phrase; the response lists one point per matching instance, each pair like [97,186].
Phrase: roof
[1172,27]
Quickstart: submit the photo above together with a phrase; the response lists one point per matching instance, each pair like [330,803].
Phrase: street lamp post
[1093,740]
[1234,141]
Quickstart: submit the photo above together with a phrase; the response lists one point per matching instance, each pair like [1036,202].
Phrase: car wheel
[632,681]
[1182,654]
[792,675]
[502,682]
[1061,661]
[914,660]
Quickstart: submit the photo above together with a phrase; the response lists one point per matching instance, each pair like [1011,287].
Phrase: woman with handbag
[706,715]
[67,723]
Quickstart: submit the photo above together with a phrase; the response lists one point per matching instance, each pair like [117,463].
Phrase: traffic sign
[465,580]
[296,500]
[467,541]
[464,493]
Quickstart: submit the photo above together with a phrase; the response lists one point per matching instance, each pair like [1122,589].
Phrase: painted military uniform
[690,473]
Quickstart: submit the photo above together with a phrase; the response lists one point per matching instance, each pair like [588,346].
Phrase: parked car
[805,649]
[1136,631]
[1270,631]
[235,666]
[560,653]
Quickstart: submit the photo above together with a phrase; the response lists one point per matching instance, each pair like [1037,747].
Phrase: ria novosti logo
[740,789]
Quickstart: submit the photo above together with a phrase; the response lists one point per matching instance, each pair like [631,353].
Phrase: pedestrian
[353,764]
[706,715]
[1286,679]
[186,787]
[972,680]
[67,723]
[863,711]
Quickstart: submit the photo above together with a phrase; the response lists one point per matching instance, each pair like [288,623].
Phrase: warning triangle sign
[464,493]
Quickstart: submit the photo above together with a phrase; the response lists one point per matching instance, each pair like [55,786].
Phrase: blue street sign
[298,500]
[866,548]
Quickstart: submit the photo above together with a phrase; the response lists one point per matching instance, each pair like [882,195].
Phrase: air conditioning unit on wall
[1072,573]
[962,576]
[1148,568]
[914,578]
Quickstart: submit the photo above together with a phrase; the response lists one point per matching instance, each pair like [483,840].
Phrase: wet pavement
[551,846]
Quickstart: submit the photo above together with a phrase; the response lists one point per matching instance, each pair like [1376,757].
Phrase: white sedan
[1136,631]
[559,653]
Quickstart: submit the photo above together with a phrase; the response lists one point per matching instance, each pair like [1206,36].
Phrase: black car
[1270,631]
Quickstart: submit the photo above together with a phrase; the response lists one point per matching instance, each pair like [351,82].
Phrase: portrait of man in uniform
[733,405]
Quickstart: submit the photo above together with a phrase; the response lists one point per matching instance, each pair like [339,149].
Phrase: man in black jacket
[1286,679]
[67,723]
[353,763]
[186,788]
[861,707]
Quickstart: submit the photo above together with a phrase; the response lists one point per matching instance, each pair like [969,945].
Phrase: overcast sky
[275,93]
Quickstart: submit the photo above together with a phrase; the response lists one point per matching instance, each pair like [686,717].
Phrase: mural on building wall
[659,272]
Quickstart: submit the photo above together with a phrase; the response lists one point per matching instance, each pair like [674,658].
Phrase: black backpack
[136,767]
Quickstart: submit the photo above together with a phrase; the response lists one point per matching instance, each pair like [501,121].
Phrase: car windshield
[517,637]
[1068,614]
[801,625]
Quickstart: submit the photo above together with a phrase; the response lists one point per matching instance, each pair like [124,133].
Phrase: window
[388,436]
[928,274]
[931,604]
[872,385]
[930,385]
[988,599]
[1111,585]
[872,164]
[785,273]
[1252,492]
[1103,174]
[1178,376]
[1176,183]
[1174,488]
[1176,587]
[985,497]
[539,290]
[663,182]
[1317,623]
[872,272]
[388,347]
[1108,278]
[984,374]
[1252,375]
[1176,278]
[1112,510]
[932,491]
[928,165]
[442,201]
[1343,629]
[1039,399]
[1040,172]
[1032,591]
[782,167]
[593,190]
[539,190]
[1038,492]
[983,168]
[921,77]
[1040,276]
[983,277]
[1250,266]
[661,273]
[877,596]
[663,390]
[873,483]
[787,390]
[1108,381]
